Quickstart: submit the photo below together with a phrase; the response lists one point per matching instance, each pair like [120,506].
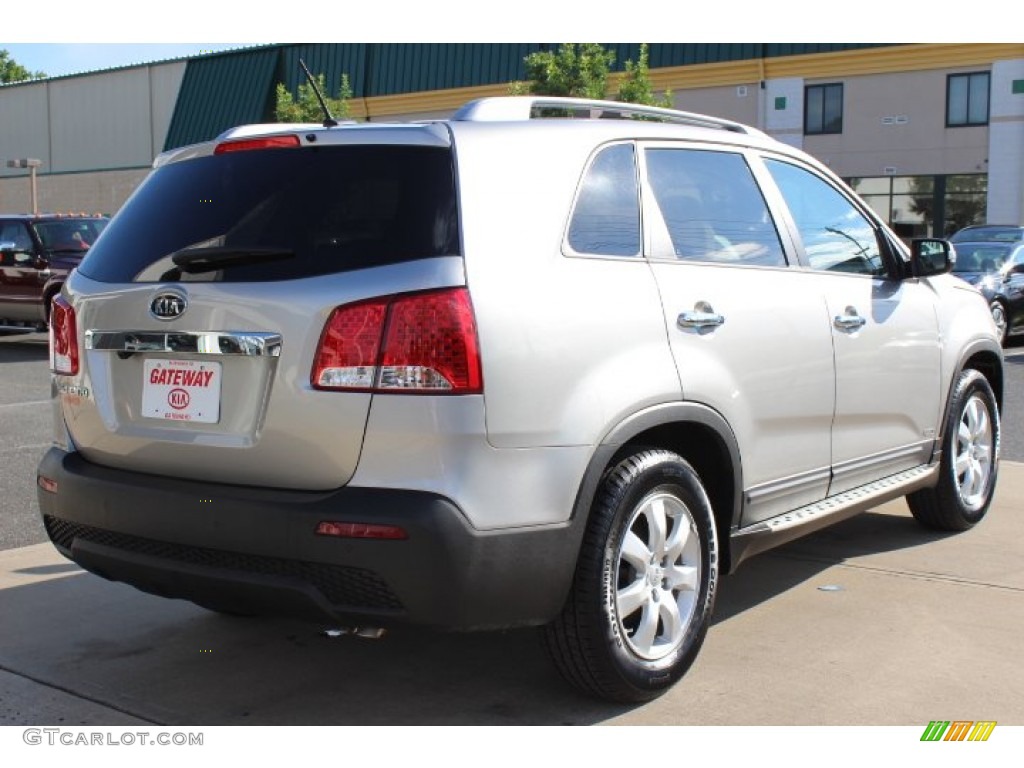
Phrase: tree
[575,69]
[966,198]
[636,85]
[12,72]
[306,109]
[581,70]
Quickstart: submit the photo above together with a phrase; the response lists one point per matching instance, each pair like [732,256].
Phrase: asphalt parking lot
[871,622]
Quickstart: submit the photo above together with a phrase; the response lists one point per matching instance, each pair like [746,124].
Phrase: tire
[1001,319]
[970,460]
[641,601]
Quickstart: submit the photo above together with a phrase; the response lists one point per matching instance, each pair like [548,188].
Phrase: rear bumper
[254,550]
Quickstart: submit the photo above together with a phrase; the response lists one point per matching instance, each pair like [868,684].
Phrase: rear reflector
[415,343]
[264,142]
[63,338]
[360,531]
[47,484]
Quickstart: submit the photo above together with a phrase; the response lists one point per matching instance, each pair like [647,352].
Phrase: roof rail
[498,108]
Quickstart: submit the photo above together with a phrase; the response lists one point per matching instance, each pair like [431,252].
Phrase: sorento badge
[167,306]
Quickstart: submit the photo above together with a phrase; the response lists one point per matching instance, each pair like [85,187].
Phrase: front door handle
[702,318]
[851,321]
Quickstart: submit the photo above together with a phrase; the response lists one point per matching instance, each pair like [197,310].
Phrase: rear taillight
[417,343]
[63,338]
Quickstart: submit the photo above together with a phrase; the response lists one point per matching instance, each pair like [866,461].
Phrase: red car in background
[36,255]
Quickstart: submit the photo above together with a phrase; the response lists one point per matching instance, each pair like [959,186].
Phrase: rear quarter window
[606,218]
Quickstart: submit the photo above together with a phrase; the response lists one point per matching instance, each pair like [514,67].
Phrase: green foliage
[575,69]
[581,70]
[306,109]
[636,84]
[12,72]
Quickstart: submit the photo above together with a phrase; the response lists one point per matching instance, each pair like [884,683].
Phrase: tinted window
[14,232]
[316,210]
[975,257]
[606,221]
[823,109]
[988,235]
[967,99]
[836,236]
[712,207]
[69,234]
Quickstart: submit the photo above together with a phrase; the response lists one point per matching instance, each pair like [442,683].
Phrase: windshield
[280,214]
[980,257]
[69,234]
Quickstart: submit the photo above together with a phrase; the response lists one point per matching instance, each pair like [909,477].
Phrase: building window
[967,99]
[926,206]
[823,109]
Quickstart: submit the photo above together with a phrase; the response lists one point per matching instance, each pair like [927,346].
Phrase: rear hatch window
[280,214]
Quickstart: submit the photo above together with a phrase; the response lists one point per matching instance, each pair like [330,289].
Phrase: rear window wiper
[197,260]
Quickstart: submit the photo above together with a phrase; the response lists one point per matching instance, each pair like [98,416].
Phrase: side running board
[783,528]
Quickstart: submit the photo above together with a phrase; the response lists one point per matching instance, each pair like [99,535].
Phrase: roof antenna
[329,121]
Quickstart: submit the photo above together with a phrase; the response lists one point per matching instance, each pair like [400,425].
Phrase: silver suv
[504,370]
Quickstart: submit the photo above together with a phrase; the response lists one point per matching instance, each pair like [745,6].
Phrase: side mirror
[931,256]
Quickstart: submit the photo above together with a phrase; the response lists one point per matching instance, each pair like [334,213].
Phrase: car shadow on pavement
[170,662]
[770,574]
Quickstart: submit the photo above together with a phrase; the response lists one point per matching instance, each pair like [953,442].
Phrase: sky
[57,59]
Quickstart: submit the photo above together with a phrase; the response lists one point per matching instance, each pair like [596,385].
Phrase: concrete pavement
[872,622]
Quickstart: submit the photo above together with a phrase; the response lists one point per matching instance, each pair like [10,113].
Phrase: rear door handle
[701,318]
[851,321]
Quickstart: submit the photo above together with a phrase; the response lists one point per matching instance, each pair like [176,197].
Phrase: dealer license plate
[182,390]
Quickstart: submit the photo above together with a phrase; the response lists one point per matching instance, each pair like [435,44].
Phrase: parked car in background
[36,255]
[997,270]
[989,233]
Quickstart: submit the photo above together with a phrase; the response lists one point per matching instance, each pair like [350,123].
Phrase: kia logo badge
[167,306]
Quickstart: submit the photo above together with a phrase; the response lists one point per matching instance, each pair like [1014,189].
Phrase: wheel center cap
[655,574]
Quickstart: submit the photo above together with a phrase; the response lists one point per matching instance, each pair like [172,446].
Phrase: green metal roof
[219,92]
[332,60]
[237,87]
[411,67]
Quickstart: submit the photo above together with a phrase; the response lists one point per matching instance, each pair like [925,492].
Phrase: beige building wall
[95,192]
[164,85]
[96,134]
[24,117]
[1006,144]
[740,102]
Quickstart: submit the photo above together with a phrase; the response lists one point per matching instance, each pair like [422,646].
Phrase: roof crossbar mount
[512,108]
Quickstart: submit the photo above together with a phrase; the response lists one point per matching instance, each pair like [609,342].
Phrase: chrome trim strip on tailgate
[249,344]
